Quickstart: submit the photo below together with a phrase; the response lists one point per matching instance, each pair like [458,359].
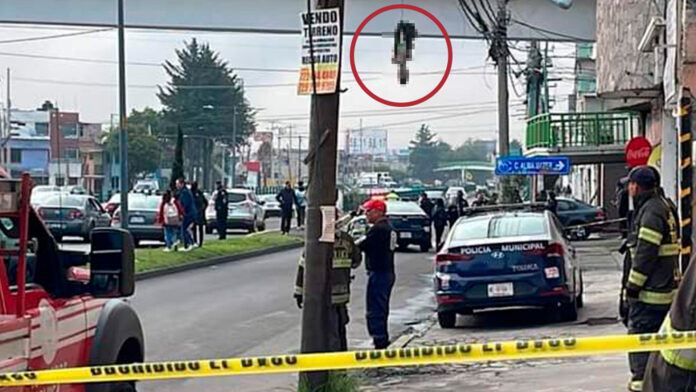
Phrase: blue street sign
[521,166]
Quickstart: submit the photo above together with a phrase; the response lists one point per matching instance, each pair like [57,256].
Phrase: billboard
[368,142]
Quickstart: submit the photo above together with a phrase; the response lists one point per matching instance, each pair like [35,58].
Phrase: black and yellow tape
[463,353]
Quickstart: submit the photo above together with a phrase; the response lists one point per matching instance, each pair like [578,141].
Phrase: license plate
[500,290]
[137,219]
[405,235]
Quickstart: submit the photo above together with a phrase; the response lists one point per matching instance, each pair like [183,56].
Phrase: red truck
[54,311]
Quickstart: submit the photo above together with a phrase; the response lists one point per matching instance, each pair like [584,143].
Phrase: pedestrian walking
[426,204]
[480,200]
[301,206]
[655,248]
[346,257]
[185,197]
[452,211]
[201,204]
[462,203]
[286,197]
[221,210]
[169,215]
[440,219]
[378,244]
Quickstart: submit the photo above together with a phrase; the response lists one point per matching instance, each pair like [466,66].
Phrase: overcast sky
[80,74]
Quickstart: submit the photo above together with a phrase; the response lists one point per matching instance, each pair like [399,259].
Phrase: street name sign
[521,166]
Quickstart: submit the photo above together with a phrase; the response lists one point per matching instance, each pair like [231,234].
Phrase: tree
[149,118]
[143,150]
[178,165]
[205,98]
[423,154]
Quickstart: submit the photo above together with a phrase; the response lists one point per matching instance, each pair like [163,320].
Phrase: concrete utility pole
[123,113]
[234,146]
[323,143]
[503,96]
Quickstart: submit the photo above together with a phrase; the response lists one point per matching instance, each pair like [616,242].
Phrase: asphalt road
[246,308]
[75,243]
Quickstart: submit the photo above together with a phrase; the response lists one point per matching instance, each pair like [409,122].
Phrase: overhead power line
[554,33]
[54,36]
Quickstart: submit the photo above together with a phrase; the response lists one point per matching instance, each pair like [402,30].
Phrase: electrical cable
[54,36]
[542,30]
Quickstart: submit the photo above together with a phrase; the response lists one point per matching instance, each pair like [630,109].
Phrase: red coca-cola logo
[638,151]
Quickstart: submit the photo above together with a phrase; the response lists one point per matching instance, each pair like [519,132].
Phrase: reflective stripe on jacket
[655,249]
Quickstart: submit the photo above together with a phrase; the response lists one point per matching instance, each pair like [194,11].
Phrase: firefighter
[346,256]
[652,279]
[378,244]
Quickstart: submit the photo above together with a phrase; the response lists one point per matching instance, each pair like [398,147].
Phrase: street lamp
[234,145]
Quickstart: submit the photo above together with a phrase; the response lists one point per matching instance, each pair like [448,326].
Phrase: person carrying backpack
[170,215]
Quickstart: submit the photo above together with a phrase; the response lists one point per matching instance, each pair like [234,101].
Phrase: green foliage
[144,150]
[423,157]
[178,164]
[338,381]
[203,95]
[148,118]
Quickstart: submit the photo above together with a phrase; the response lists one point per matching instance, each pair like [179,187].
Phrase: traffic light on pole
[404,37]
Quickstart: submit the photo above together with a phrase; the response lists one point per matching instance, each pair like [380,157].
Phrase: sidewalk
[598,317]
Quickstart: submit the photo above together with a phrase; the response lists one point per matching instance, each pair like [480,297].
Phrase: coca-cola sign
[638,151]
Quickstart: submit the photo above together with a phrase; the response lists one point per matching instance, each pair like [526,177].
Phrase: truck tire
[447,319]
[117,340]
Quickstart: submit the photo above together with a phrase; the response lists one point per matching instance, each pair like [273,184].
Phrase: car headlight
[426,229]
[552,273]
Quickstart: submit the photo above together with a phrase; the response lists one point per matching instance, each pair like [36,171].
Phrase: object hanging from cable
[404,37]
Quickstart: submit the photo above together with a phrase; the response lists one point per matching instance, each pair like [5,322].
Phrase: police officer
[652,279]
[378,244]
[346,256]
[221,210]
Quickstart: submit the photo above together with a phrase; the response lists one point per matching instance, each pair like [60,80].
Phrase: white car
[244,212]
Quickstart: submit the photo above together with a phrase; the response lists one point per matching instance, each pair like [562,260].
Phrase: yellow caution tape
[462,353]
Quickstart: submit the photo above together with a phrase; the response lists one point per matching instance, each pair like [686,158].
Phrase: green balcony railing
[552,130]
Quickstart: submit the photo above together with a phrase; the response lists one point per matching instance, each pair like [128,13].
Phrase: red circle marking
[638,151]
[408,103]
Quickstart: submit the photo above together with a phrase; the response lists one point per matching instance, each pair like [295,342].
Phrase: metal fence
[581,129]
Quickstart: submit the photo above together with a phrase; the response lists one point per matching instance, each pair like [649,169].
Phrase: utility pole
[323,143]
[501,52]
[6,150]
[123,134]
[289,153]
[234,146]
[299,158]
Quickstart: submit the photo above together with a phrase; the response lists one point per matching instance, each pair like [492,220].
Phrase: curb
[215,261]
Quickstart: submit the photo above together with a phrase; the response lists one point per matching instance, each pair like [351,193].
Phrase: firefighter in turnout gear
[346,257]
[675,370]
[653,277]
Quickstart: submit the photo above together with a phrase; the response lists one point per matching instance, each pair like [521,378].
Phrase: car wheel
[254,228]
[447,319]
[580,299]
[569,311]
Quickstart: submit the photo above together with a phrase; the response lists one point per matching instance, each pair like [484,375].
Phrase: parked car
[75,190]
[245,212]
[507,259]
[573,212]
[146,186]
[113,203]
[434,196]
[271,206]
[142,218]
[73,215]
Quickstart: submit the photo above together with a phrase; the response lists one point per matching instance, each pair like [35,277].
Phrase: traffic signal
[404,37]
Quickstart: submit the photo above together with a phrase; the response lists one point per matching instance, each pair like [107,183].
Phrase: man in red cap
[378,244]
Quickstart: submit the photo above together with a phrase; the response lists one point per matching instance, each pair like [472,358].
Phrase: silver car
[245,212]
[72,215]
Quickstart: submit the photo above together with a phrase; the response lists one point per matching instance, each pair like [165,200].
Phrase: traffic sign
[521,166]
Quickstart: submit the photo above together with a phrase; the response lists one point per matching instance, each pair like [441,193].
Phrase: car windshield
[236,197]
[500,226]
[143,203]
[65,201]
[400,207]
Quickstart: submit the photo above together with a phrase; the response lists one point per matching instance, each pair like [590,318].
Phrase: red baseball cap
[375,204]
